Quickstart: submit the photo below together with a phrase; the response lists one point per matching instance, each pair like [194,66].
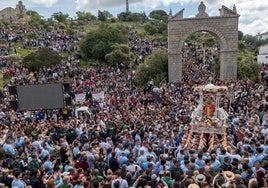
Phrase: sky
[253,13]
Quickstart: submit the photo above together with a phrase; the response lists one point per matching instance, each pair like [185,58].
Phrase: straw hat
[5,170]
[193,185]
[200,178]
[229,174]
[153,177]
[238,178]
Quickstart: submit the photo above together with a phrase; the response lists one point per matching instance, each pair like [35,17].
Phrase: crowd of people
[136,136]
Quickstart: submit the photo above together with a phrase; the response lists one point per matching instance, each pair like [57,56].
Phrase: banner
[98,96]
[80,98]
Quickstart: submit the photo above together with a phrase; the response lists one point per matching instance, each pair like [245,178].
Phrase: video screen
[40,96]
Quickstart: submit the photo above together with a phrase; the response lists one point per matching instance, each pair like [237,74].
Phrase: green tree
[150,28]
[154,68]
[119,55]
[42,57]
[60,17]
[216,66]
[85,16]
[132,17]
[35,19]
[155,27]
[250,40]
[249,68]
[101,16]
[99,42]
[209,41]
[159,15]
[240,35]
[124,16]
[70,31]
[241,45]
[107,14]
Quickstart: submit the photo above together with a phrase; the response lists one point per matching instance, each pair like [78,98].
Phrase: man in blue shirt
[17,182]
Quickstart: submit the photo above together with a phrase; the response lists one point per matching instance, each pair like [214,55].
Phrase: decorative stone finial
[170,12]
[202,11]
[234,9]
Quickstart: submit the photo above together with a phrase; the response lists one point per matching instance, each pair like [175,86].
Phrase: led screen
[45,96]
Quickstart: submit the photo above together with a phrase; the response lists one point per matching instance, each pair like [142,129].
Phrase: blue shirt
[9,149]
[76,150]
[18,183]
[48,165]
[200,162]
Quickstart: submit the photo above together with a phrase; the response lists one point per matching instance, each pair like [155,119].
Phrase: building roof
[265,33]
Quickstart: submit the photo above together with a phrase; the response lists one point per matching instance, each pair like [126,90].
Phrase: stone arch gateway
[223,27]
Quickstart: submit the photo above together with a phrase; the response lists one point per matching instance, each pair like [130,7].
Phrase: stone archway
[223,27]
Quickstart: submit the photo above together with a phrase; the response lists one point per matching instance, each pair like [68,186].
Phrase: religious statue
[202,11]
[209,108]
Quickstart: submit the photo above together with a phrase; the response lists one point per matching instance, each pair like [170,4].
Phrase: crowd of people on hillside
[54,38]
[136,136]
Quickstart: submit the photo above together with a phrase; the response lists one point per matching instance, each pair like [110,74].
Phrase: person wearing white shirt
[132,167]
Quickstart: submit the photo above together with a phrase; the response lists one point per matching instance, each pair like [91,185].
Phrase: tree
[249,68]
[250,40]
[124,16]
[101,16]
[35,19]
[42,57]
[107,14]
[159,15]
[132,17]
[154,68]
[150,28]
[209,41]
[119,55]
[240,35]
[85,16]
[60,17]
[241,45]
[99,42]
[156,27]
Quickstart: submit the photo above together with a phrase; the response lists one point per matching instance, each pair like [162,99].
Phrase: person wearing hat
[229,175]
[153,182]
[253,183]
[193,185]
[200,178]
[223,178]
[239,183]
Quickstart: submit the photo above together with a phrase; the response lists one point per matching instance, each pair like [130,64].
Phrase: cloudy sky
[253,13]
